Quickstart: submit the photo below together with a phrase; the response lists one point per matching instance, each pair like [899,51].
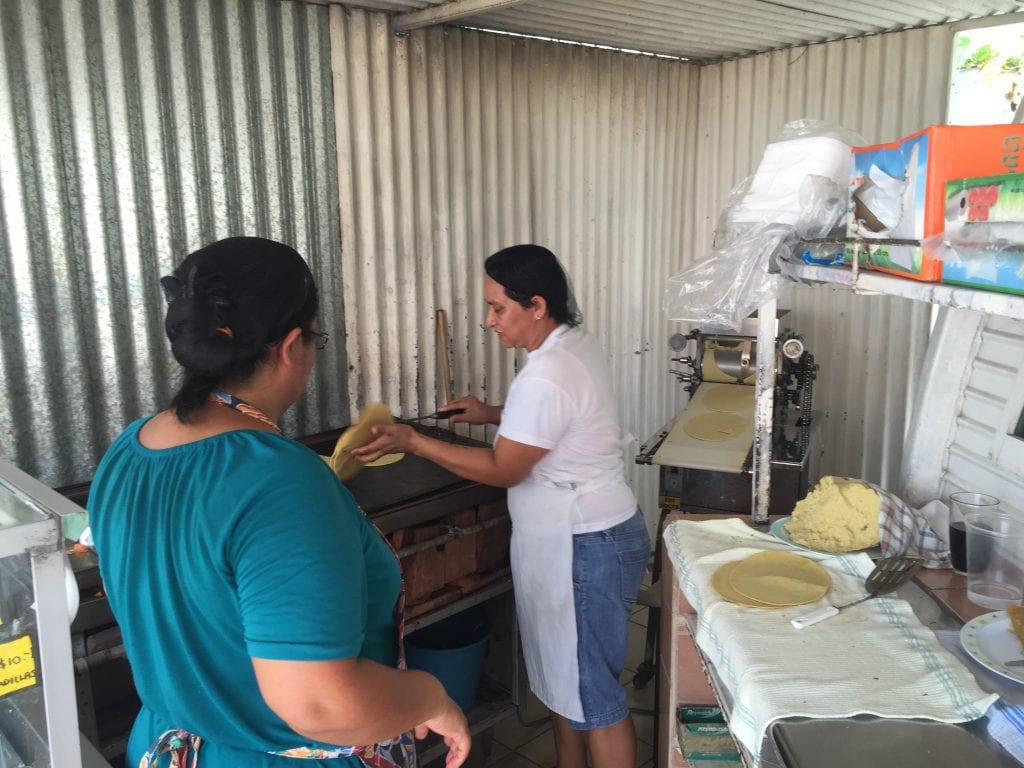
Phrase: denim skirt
[607,570]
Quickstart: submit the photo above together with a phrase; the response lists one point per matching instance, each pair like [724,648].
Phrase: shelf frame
[869,283]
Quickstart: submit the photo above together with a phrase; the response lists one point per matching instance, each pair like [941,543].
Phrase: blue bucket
[453,651]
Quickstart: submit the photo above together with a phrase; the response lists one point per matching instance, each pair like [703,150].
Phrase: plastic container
[452,650]
[995,559]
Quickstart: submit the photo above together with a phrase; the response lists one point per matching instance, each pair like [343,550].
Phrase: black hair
[525,271]
[228,304]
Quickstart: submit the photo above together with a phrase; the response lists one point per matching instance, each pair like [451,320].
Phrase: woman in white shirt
[579,543]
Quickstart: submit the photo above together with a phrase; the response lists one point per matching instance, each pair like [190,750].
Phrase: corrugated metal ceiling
[699,30]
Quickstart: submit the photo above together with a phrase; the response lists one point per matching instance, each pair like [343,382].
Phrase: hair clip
[226,331]
[172,287]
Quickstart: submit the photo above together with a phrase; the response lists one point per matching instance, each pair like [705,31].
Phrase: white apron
[541,553]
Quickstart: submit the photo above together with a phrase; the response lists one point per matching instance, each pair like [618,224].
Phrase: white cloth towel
[874,658]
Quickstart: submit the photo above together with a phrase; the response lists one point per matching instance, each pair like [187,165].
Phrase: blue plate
[778,530]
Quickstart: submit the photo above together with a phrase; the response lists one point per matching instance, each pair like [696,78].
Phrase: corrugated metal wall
[870,348]
[142,130]
[132,133]
[455,143]
[978,459]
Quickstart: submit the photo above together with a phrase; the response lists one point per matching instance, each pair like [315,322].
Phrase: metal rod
[764,392]
[55,666]
[862,240]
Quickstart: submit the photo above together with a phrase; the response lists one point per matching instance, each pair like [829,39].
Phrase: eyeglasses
[320,338]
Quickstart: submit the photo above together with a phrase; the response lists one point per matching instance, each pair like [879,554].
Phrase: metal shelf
[867,282]
[473,598]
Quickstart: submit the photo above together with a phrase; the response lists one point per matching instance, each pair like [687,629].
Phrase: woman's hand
[476,412]
[451,725]
[388,438]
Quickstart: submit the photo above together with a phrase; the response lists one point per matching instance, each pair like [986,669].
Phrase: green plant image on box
[987,78]
[982,56]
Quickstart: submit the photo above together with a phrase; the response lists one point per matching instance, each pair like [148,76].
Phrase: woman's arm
[507,464]
[360,702]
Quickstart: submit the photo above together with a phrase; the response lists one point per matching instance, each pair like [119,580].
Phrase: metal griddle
[413,490]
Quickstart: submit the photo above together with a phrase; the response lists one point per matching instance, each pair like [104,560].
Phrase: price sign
[17,665]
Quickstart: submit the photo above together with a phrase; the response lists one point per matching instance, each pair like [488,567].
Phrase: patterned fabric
[399,752]
[182,745]
[226,398]
[905,531]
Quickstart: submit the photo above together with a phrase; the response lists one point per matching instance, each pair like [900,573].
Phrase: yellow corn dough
[839,515]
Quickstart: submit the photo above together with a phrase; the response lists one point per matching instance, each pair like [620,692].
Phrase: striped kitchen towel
[908,531]
[1006,725]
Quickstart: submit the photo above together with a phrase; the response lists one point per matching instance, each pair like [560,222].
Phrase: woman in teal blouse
[259,606]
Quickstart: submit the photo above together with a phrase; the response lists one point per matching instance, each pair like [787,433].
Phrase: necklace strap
[226,398]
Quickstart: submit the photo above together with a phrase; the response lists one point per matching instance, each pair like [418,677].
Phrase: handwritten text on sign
[17,665]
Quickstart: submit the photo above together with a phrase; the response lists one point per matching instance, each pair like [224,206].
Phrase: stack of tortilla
[771,579]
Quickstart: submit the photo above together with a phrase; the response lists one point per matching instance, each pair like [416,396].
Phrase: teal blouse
[240,545]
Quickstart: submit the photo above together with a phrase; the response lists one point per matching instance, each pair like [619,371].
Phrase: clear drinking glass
[960,506]
[995,559]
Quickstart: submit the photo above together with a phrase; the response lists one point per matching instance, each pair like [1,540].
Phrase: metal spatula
[439,415]
[890,573]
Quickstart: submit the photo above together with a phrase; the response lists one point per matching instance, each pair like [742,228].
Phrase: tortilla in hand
[345,465]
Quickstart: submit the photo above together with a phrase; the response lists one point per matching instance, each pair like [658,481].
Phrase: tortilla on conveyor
[780,579]
[715,427]
[345,465]
[730,398]
[720,582]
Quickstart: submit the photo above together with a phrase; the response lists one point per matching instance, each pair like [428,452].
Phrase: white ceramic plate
[989,639]
[778,530]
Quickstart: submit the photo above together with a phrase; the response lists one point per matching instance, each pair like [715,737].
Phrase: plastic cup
[960,506]
[995,559]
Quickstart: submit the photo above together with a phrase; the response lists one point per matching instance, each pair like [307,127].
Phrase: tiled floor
[531,745]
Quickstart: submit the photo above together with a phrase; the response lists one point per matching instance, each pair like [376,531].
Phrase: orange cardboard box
[898,190]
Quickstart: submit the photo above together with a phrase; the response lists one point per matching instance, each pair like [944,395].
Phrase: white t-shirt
[562,400]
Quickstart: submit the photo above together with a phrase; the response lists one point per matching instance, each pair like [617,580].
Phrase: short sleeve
[537,412]
[297,551]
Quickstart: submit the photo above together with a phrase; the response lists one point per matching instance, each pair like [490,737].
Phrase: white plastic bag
[798,191]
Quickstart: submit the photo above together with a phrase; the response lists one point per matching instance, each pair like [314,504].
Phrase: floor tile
[642,699]
[644,753]
[516,745]
[512,733]
[515,761]
[534,709]
[540,750]
[644,728]
[499,752]
[636,644]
